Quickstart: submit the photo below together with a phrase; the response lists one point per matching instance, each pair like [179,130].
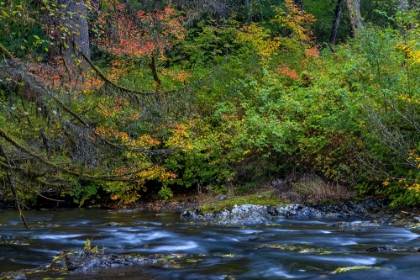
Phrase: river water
[288,249]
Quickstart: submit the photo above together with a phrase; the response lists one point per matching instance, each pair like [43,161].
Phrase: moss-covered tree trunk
[353,7]
[403,5]
[76,19]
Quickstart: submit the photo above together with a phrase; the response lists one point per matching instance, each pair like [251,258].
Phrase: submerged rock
[14,240]
[355,225]
[386,248]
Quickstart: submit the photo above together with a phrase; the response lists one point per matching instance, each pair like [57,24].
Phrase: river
[287,249]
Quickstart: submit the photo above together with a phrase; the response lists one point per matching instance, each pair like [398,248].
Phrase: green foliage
[207,41]
[20,32]
[81,192]
[241,98]
[381,68]
[165,193]
[350,268]
[89,249]
[323,11]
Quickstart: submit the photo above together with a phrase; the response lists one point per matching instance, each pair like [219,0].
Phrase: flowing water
[288,249]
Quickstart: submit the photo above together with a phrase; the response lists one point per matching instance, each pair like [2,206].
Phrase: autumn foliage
[221,101]
[138,33]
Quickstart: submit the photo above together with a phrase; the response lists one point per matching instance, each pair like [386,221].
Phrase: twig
[49,198]
[409,213]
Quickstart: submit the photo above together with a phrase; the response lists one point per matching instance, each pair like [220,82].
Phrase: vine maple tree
[140,33]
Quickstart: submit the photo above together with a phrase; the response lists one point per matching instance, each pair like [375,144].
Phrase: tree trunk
[353,7]
[403,5]
[76,18]
[247,7]
[153,67]
[336,22]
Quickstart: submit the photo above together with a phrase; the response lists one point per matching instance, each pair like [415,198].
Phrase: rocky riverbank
[248,214]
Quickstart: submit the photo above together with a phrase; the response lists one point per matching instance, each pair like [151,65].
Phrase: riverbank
[260,208]
[264,208]
[105,244]
[176,204]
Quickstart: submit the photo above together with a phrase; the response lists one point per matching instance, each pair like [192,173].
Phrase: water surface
[288,249]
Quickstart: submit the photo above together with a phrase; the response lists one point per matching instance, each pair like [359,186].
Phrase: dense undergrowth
[213,102]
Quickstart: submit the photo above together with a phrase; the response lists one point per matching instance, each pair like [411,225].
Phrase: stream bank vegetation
[117,101]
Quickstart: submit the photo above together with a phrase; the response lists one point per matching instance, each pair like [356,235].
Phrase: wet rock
[59,263]
[14,240]
[14,276]
[252,214]
[356,225]
[191,214]
[272,211]
[261,214]
[371,204]
[397,222]
[239,215]
[86,261]
[358,209]
[223,197]
[381,220]
[386,248]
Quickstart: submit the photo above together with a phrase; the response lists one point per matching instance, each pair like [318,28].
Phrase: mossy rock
[265,198]
[14,240]
[345,269]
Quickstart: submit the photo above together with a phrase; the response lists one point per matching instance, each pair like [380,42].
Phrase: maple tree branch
[5,52]
[12,183]
[105,78]
[37,87]
[49,198]
[119,177]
